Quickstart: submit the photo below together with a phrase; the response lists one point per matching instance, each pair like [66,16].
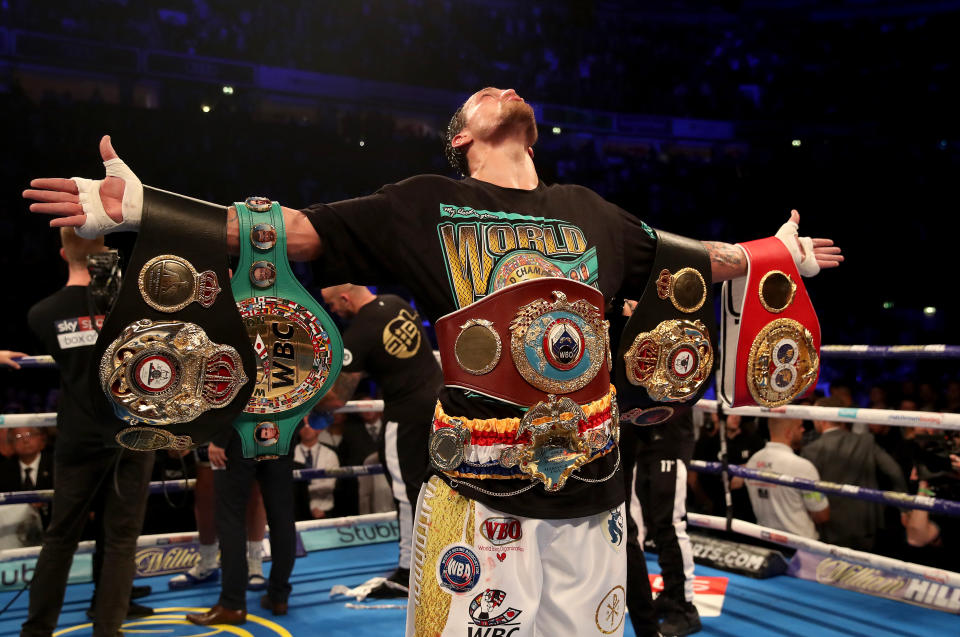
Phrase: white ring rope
[893,417]
[188,537]
[896,418]
[822,548]
[49,419]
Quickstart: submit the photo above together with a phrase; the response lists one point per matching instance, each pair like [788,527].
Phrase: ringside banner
[880,582]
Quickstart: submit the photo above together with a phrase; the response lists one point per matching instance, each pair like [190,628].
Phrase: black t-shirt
[739,450]
[63,324]
[386,339]
[453,242]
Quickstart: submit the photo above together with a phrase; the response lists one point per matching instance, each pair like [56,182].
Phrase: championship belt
[297,347]
[666,351]
[541,344]
[771,336]
[528,340]
[174,360]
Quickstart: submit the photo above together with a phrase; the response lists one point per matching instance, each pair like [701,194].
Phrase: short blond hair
[76,248]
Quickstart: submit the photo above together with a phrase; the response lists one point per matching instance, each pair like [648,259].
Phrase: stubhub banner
[165,555]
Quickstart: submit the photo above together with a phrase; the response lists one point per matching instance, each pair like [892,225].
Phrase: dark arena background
[707,119]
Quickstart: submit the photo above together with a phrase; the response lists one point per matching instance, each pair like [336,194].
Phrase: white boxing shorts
[478,572]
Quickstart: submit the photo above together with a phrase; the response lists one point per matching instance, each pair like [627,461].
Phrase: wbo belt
[550,442]
[666,351]
[558,365]
[771,335]
[530,339]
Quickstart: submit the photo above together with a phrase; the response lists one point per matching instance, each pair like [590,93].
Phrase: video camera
[105,275]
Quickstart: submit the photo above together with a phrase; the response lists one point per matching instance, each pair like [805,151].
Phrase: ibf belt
[297,347]
[666,350]
[530,339]
[771,336]
[174,361]
[550,442]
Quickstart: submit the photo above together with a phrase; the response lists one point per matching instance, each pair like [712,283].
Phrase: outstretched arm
[63,199]
[727,261]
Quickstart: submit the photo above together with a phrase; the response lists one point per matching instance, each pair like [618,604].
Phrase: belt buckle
[670,361]
[168,372]
[556,448]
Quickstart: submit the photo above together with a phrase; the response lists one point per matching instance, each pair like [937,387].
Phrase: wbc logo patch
[484,607]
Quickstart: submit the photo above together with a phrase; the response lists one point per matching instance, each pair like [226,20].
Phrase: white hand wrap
[801,249]
[98,222]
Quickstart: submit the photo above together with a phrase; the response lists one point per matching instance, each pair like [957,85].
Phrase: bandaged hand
[810,255]
[93,206]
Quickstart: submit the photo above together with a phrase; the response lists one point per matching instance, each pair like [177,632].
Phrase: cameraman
[931,539]
[88,473]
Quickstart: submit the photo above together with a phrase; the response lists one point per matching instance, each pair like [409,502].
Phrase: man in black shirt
[552,559]
[85,461]
[664,452]
[742,442]
[386,340]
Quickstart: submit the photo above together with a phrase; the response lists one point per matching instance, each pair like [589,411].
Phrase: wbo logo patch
[500,531]
[613,528]
[484,605]
[458,568]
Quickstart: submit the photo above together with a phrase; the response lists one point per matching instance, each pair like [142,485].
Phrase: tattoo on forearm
[727,261]
[724,254]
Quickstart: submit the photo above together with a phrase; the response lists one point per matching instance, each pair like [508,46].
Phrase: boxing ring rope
[893,417]
[893,498]
[890,351]
[931,419]
[828,351]
[790,540]
[188,537]
[178,486]
[49,418]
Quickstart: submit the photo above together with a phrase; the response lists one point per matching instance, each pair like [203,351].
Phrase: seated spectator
[31,466]
[310,454]
[847,458]
[361,441]
[778,506]
[932,539]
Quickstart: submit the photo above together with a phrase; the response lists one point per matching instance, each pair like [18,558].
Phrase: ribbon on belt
[558,366]
[666,351]
[546,445]
[771,335]
[174,359]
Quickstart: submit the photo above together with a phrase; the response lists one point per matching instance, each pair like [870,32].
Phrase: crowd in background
[677,57]
[919,458]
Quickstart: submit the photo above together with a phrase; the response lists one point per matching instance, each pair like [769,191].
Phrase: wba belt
[559,359]
[297,347]
[665,356]
[771,336]
[174,360]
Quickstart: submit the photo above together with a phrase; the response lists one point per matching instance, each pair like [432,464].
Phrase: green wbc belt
[297,347]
